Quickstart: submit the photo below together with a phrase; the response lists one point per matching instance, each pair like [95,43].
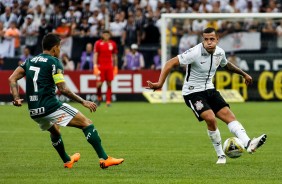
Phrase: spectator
[151,34]
[8,17]
[96,17]
[44,29]
[139,19]
[30,32]
[86,13]
[205,7]
[187,41]
[56,17]
[16,8]
[234,59]
[198,25]
[2,32]
[113,10]
[72,15]
[157,61]
[93,29]
[272,7]
[279,35]
[250,8]
[231,7]
[268,35]
[86,60]
[172,37]
[133,60]
[26,54]
[130,34]
[48,9]
[116,27]
[23,14]
[1,62]
[84,28]
[34,3]
[67,63]
[14,33]
[63,30]
[38,15]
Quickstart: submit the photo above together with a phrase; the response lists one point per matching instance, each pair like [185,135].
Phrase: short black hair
[209,30]
[106,31]
[50,40]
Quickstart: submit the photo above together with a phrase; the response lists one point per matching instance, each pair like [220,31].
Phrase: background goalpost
[165,17]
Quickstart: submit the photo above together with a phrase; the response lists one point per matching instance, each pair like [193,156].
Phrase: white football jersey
[201,67]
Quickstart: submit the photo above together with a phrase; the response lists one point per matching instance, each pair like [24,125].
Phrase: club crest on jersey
[217,60]
[199,105]
[110,47]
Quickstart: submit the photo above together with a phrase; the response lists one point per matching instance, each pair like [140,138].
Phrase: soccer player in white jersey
[200,95]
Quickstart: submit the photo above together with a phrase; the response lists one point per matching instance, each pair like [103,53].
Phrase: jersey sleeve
[96,48]
[57,72]
[115,51]
[23,65]
[186,57]
[223,61]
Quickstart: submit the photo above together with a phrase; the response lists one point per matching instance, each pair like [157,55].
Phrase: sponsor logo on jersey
[191,87]
[38,111]
[33,98]
[202,62]
[39,59]
[199,105]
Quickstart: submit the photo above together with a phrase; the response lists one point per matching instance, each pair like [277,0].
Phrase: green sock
[93,138]
[58,144]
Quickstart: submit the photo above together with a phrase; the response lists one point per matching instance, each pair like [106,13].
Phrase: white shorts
[62,116]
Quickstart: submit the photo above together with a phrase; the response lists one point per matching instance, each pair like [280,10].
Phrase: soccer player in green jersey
[43,73]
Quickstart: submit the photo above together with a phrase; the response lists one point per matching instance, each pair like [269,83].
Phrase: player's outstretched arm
[62,87]
[13,81]
[164,73]
[233,68]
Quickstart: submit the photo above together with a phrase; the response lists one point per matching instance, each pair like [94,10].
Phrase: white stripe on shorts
[68,110]
[192,107]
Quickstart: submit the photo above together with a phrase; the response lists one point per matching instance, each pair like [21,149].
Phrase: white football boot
[221,159]
[255,143]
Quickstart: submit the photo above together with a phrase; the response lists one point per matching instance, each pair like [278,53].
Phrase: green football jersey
[40,84]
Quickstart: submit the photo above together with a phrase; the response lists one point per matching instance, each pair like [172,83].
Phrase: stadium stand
[83,20]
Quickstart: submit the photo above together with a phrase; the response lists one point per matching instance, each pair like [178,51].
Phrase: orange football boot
[110,162]
[74,158]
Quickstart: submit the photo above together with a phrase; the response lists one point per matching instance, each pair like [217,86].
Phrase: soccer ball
[233,147]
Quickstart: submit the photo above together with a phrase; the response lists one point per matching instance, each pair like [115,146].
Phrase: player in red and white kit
[105,64]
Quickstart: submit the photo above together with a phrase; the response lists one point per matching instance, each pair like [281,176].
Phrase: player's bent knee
[208,117]
[80,121]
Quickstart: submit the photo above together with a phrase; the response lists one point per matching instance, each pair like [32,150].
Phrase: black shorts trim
[205,100]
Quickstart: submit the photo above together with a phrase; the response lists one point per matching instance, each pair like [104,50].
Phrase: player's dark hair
[49,41]
[209,30]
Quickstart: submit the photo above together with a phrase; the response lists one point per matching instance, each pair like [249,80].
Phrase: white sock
[216,141]
[238,130]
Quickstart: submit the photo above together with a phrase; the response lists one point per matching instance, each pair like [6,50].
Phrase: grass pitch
[160,143]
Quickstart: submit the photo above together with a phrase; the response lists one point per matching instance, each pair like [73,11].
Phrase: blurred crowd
[132,23]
